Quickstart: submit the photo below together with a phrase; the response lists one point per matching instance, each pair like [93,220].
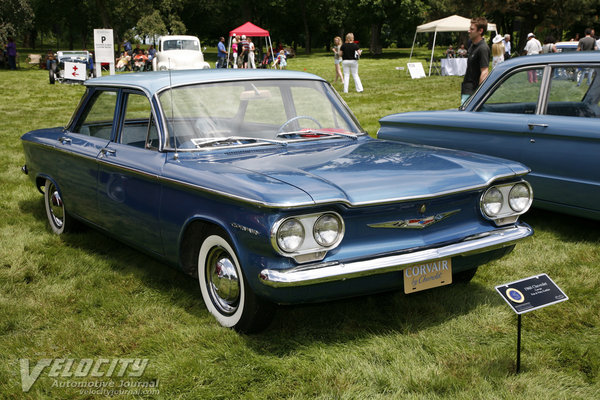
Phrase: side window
[98,118]
[574,92]
[138,124]
[517,95]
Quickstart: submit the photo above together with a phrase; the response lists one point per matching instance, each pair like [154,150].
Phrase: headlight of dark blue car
[289,238]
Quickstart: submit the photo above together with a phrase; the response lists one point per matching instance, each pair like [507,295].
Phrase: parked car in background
[273,193]
[179,52]
[82,70]
[551,125]
[566,46]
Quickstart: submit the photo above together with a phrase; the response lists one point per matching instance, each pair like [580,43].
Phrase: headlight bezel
[506,213]
[309,249]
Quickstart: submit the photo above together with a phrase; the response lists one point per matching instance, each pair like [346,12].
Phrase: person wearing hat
[532,47]
[497,50]
[507,46]
[478,59]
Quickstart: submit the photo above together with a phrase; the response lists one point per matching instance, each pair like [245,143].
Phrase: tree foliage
[306,23]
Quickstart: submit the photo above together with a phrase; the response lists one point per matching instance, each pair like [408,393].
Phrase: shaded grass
[85,295]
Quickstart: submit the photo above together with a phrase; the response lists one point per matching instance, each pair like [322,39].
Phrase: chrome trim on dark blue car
[338,271]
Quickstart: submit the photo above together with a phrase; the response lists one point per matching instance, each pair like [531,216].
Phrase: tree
[16,18]
[151,25]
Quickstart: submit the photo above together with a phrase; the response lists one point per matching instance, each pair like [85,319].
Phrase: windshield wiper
[234,140]
[318,132]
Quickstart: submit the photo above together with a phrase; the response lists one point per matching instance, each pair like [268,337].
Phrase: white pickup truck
[179,52]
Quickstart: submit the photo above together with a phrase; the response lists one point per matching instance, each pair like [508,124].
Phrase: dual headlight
[307,237]
[504,203]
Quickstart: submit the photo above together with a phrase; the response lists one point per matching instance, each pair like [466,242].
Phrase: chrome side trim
[339,271]
[288,206]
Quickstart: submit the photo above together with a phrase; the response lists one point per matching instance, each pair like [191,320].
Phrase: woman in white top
[337,60]
[251,54]
[497,51]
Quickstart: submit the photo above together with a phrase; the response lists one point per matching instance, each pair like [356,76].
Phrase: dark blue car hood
[358,172]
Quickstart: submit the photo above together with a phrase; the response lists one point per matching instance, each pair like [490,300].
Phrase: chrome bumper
[338,271]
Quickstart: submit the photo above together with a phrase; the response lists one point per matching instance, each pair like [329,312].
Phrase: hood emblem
[415,223]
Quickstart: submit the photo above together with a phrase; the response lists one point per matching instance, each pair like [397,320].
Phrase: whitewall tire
[224,289]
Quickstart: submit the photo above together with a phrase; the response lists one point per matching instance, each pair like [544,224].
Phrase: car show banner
[75,71]
[104,50]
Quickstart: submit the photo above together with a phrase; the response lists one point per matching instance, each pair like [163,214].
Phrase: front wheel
[225,292]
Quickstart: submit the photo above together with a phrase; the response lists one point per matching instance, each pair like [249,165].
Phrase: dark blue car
[263,185]
[543,111]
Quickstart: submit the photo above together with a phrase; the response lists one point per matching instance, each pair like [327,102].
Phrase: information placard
[416,70]
[75,71]
[104,46]
[531,293]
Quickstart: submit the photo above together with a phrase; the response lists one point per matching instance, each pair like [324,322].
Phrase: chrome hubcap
[56,207]
[222,280]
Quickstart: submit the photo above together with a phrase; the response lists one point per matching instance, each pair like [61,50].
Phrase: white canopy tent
[453,23]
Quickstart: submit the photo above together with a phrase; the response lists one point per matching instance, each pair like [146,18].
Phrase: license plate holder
[427,275]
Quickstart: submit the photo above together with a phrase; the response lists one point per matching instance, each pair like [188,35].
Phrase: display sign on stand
[527,295]
[416,70]
[104,50]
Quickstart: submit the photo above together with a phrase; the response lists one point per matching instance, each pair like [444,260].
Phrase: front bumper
[338,271]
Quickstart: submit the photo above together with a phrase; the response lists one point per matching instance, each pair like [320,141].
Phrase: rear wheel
[60,221]
[227,295]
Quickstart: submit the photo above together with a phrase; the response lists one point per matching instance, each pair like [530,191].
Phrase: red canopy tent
[250,30]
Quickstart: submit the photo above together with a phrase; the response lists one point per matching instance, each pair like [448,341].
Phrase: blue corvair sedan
[543,111]
[263,185]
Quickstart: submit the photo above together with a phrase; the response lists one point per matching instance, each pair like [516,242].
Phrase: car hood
[367,171]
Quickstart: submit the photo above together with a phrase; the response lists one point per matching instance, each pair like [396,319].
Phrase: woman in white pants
[350,53]
[251,48]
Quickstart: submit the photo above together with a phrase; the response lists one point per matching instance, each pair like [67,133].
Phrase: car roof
[178,37]
[567,44]
[152,82]
[581,57]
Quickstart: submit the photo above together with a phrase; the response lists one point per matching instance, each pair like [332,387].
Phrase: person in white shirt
[532,47]
[506,43]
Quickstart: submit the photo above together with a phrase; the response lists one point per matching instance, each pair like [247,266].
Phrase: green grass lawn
[86,296]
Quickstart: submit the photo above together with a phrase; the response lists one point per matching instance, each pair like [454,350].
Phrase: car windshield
[74,55]
[180,45]
[254,112]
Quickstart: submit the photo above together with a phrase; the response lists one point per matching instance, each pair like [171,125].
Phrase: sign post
[527,295]
[104,49]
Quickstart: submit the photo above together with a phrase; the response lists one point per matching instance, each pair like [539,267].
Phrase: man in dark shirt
[587,43]
[478,59]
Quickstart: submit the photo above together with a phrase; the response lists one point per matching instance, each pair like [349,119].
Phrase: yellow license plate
[427,275]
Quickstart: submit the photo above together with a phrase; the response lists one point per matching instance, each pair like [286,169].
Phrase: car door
[563,149]
[128,168]
[503,116]
[80,146]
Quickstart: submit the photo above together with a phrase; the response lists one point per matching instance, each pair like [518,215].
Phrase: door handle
[64,140]
[531,126]
[106,151]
